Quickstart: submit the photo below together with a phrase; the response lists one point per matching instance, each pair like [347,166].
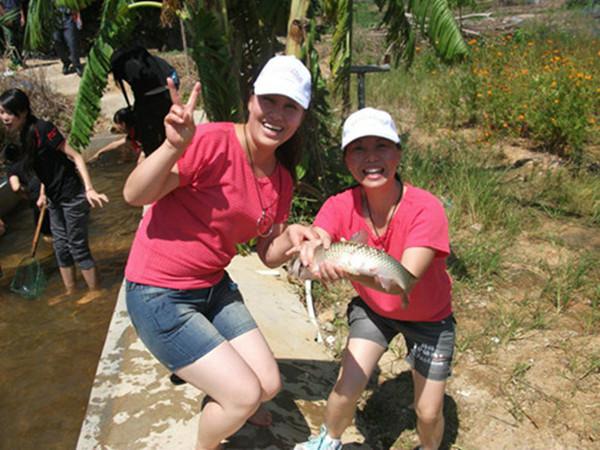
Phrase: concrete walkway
[133,405]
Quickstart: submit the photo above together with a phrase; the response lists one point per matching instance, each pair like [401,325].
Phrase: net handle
[38,229]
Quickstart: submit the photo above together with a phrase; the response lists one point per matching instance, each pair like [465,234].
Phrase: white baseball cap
[369,122]
[285,75]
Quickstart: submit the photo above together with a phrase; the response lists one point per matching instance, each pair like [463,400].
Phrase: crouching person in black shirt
[66,185]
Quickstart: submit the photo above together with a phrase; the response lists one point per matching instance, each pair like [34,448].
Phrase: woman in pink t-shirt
[410,225]
[211,187]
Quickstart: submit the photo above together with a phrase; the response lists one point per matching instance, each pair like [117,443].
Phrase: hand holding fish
[366,265]
[298,234]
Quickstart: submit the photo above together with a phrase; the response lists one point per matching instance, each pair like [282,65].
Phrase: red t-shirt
[187,238]
[419,221]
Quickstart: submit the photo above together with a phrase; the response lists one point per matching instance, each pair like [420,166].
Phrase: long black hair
[16,102]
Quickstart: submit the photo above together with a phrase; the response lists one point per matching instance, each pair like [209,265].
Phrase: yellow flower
[553,84]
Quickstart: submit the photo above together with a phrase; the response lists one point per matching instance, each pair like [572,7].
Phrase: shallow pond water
[50,346]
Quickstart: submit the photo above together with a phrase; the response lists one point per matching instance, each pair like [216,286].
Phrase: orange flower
[472,42]
[521,117]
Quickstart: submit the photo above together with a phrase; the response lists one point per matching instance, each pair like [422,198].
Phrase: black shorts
[430,345]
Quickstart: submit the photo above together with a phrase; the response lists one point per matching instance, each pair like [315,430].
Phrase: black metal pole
[360,72]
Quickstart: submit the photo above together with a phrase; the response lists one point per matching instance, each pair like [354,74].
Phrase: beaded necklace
[389,218]
[264,224]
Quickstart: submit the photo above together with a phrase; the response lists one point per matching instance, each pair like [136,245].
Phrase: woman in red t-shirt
[211,187]
[410,225]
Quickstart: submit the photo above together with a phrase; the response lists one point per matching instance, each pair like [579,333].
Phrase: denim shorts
[430,345]
[181,326]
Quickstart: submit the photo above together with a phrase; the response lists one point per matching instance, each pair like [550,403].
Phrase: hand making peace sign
[179,122]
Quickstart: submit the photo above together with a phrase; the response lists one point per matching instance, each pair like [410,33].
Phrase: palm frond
[341,54]
[8,17]
[432,17]
[217,68]
[321,168]
[38,35]
[251,41]
[75,5]
[116,25]
[400,36]
[435,18]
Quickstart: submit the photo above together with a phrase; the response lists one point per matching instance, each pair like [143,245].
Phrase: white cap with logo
[369,122]
[285,75]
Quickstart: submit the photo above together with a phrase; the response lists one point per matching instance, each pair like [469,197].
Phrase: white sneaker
[321,442]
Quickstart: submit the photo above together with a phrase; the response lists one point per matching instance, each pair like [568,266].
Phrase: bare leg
[360,358]
[234,388]
[91,278]
[253,348]
[261,361]
[68,277]
[429,407]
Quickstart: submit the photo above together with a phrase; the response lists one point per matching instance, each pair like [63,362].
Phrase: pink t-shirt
[187,238]
[419,221]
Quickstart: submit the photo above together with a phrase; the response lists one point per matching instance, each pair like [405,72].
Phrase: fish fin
[385,283]
[360,237]
[392,287]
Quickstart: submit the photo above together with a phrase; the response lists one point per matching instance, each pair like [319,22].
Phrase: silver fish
[366,265]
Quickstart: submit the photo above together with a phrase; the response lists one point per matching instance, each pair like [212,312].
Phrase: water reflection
[50,346]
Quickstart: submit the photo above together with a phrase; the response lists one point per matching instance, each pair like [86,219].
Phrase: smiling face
[12,122]
[273,119]
[372,160]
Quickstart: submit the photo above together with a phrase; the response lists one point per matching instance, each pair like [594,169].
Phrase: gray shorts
[430,345]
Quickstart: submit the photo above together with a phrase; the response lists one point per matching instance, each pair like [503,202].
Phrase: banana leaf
[116,26]
[216,66]
[38,35]
[75,5]
[433,18]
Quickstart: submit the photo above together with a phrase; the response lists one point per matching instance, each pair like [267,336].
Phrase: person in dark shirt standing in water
[66,185]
